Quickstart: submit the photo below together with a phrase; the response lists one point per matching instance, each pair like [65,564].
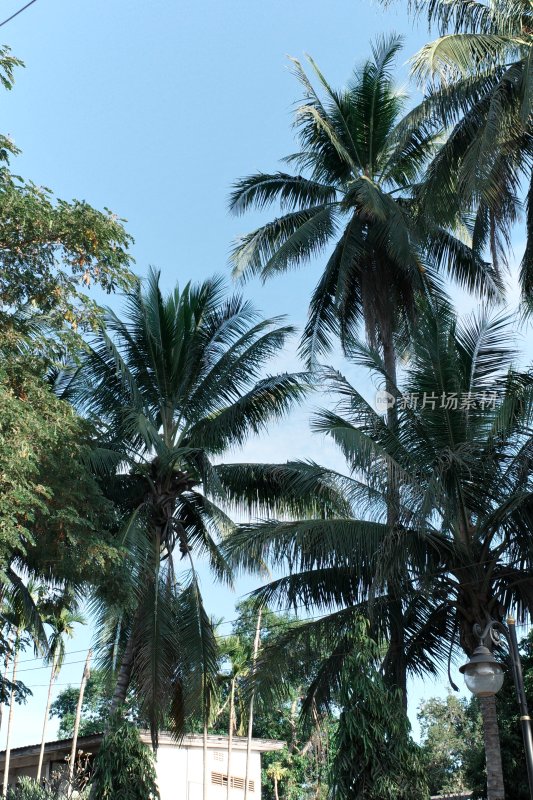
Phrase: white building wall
[180,773]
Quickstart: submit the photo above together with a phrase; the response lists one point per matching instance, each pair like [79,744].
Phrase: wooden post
[11,712]
[6,670]
[205,758]
[251,712]
[84,679]
[53,677]
[230,733]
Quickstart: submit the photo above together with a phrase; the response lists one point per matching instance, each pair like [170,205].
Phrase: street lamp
[484,678]
[483,674]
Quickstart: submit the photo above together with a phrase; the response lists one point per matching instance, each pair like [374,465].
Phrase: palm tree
[356,192]
[238,656]
[62,622]
[361,167]
[461,455]
[21,617]
[172,385]
[276,771]
[478,80]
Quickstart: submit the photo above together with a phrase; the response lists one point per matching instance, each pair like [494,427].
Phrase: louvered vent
[219,779]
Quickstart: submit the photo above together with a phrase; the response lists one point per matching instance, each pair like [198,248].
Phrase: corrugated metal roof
[191,740]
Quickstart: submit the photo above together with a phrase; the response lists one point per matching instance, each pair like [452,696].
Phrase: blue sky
[153,109]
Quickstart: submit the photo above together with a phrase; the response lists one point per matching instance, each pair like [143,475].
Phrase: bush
[124,767]
[28,789]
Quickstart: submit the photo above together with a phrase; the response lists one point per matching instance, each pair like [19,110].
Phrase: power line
[17,12]
[46,666]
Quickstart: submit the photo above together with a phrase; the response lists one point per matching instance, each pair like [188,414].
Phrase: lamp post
[484,678]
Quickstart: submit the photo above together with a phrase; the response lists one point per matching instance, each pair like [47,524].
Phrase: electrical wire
[17,12]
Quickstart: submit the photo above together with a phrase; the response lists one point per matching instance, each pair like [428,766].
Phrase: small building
[179,767]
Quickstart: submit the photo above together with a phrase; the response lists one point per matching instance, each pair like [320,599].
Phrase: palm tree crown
[360,169]
[460,459]
[480,76]
[174,383]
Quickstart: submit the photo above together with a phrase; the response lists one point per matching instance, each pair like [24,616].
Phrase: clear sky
[153,108]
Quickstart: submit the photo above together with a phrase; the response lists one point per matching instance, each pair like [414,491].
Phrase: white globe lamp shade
[483,674]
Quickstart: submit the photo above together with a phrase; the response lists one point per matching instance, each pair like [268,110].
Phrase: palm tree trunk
[276,795]
[53,677]
[251,712]
[230,732]
[396,654]
[389,362]
[85,677]
[123,678]
[495,790]
[11,712]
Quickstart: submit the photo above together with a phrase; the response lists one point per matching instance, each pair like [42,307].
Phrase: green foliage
[477,76]
[356,198]
[452,738]
[53,516]
[451,732]
[304,762]
[28,789]
[512,745]
[51,252]
[94,711]
[173,384]
[464,512]
[124,767]
[374,756]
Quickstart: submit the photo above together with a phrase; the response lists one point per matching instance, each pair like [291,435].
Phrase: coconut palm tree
[172,385]
[277,772]
[21,618]
[62,622]
[238,657]
[360,167]
[357,192]
[477,76]
[461,456]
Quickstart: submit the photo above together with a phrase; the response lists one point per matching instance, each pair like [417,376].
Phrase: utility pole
[252,698]
[525,719]
[16,652]
[84,679]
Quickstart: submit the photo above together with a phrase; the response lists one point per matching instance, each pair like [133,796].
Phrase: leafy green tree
[95,708]
[28,789]
[172,385]
[374,756]
[124,766]
[277,714]
[360,163]
[51,251]
[277,772]
[478,80]
[53,516]
[450,733]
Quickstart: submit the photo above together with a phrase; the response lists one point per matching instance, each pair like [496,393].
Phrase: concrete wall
[179,768]
[180,773]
